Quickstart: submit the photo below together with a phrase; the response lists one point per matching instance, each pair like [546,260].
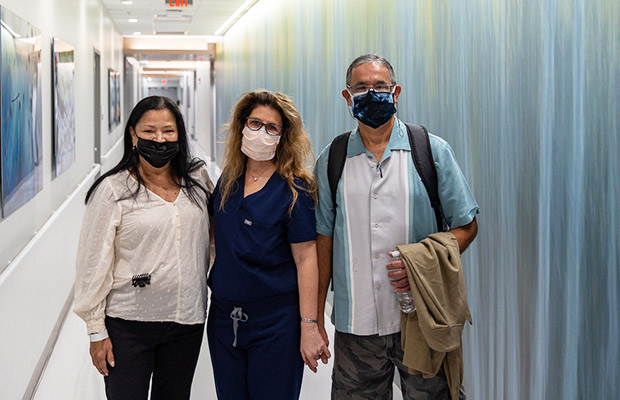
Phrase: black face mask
[155,153]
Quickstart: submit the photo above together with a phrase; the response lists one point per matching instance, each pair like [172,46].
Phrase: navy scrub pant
[166,350]
[260,358]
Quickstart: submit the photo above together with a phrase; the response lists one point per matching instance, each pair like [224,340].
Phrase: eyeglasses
[272,129]
[361,89]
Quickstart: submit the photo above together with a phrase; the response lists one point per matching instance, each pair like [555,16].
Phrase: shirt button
[376,255]
[373,165]
[378,286]
[375,195]
[376,225]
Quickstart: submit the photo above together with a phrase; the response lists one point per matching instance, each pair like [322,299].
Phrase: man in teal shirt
[380,203]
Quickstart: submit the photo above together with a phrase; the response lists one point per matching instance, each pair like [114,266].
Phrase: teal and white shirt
[380,206]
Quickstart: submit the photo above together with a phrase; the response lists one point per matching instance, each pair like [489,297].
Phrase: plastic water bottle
[405,299]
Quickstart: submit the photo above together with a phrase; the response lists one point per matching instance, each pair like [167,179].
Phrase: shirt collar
[398,140]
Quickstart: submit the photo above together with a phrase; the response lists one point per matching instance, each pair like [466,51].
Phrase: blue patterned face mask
[374,108]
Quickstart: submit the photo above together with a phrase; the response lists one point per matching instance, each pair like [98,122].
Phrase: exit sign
[179,3]
[164,81]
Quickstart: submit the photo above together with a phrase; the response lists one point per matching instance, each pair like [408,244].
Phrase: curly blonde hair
[292,154]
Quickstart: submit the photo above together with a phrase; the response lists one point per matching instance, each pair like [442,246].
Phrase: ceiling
[157,17]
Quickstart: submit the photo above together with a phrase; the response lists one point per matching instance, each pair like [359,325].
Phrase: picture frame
[21,148]
[63,104]
[114,98]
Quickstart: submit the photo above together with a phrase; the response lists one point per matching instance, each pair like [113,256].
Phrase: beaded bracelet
[308,320]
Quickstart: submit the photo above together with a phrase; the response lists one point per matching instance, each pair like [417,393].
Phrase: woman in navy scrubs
[262,320]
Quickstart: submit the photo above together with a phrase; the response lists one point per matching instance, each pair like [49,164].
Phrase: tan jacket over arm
[431,336]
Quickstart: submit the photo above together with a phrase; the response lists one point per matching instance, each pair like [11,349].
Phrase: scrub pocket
[262,244]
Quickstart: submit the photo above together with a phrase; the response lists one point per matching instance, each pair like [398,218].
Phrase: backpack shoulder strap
[425,165]
[335,163]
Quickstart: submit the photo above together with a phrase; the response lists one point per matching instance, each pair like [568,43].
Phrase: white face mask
[259,145]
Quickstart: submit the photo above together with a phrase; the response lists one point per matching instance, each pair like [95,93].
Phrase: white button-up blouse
[124,237]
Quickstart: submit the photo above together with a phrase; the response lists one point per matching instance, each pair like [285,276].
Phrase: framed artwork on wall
[114,98]
[63,77]
[21,158]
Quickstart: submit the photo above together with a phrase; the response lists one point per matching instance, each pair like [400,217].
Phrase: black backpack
[422,159]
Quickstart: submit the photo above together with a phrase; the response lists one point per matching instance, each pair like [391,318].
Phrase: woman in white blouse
[143,258]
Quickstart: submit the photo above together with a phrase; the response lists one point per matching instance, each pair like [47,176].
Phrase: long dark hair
[181,165]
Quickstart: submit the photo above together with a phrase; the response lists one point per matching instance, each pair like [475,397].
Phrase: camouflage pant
[364,369]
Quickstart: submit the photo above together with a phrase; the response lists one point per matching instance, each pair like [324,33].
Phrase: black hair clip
[141,280]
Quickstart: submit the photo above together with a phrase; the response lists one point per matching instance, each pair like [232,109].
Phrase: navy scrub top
[253,258]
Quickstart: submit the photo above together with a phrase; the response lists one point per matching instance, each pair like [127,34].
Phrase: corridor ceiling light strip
[177,18]
[182,42]
[244,8]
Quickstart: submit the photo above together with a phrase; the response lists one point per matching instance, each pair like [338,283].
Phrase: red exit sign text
[179,3]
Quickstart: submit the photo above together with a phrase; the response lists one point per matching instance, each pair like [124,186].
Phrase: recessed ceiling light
[126,2]
[132,20]
[137,33]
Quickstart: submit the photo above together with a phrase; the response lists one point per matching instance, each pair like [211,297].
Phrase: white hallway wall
[205,130]
[37,269]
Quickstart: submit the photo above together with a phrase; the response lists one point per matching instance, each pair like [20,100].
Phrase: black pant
[166,350]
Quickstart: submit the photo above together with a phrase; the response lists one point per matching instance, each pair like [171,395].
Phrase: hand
[321,325]
[313,347]
[101,354]
[398,276]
